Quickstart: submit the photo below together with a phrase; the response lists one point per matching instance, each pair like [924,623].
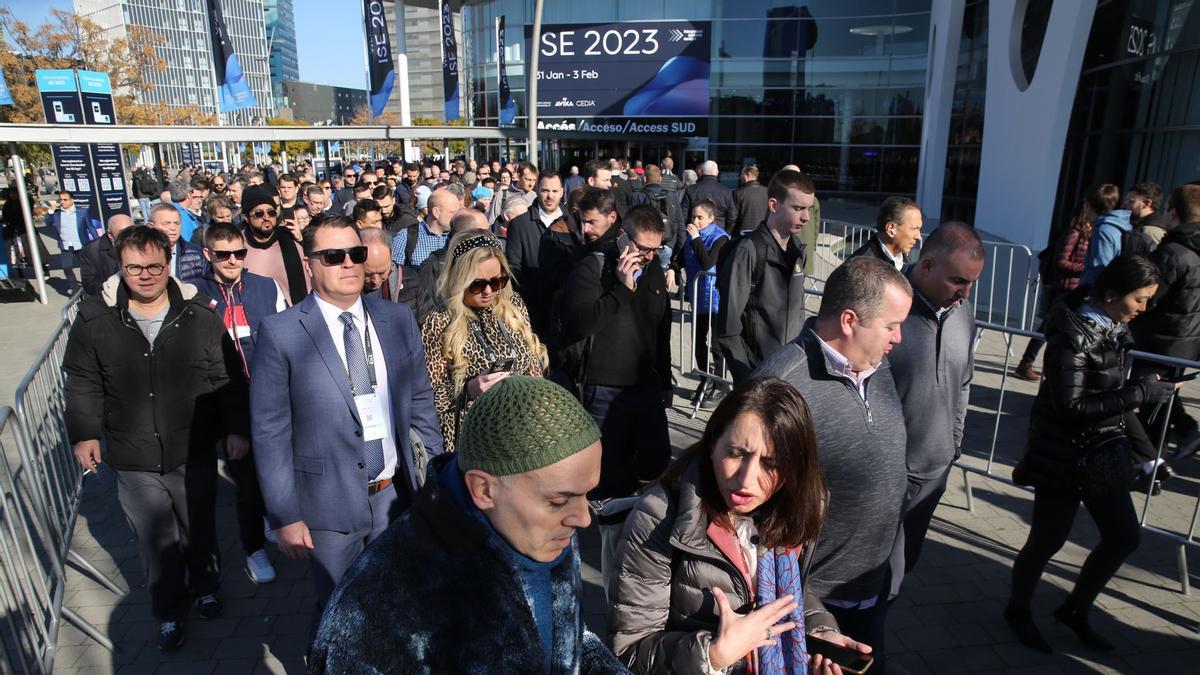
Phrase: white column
[945,36]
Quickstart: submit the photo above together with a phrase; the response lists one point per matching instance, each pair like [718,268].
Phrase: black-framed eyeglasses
[155,269]
[646,251]
[334,257]
[222,256]
[497,284]
[263,213]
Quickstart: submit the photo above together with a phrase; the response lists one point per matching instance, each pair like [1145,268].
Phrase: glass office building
[835,86]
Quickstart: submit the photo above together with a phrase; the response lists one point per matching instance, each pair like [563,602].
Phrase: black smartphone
[1182,378]
[849,660]
[501,366]
[624,243]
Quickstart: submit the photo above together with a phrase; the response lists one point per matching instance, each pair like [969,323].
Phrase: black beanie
[255,196]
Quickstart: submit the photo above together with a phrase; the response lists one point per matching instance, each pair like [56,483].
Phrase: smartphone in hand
[849,660]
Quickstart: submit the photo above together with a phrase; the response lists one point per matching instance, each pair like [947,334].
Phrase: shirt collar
[839,365]
[431,233]
[333,314]
[548,218]
[897,261]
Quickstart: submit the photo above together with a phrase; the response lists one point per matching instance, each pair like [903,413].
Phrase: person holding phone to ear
[481,332]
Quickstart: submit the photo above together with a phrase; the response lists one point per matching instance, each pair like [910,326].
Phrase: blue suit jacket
[83,224]
[307,438]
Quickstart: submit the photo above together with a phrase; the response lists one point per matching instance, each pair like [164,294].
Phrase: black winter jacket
[97,262]
[708,187]
[1172,324]
[540,260]
[156,407]
[1083,390]
[751,202]
[873,247]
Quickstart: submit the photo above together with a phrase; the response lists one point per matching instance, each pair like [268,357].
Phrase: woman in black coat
[1085,395]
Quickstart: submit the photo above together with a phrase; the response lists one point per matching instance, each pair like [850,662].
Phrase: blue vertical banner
[379,54]
[508,107]
[231,79]
[5,94]
[449,60]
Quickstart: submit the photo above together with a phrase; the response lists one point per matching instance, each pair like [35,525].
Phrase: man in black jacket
[710,189]
[897,231]
[615,308]
[151,370]
[541,245]
[750,201]
[98,260]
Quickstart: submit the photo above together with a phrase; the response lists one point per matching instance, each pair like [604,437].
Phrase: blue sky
[329,36]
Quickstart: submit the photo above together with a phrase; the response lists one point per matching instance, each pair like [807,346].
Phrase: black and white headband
[477,241]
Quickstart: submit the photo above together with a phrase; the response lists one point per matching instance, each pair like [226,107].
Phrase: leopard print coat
[452,404]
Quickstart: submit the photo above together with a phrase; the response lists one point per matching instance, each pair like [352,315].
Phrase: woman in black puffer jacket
[1084,392]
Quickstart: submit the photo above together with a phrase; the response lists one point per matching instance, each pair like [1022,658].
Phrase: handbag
[1107,466]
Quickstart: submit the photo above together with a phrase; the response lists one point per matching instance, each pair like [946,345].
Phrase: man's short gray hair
[710,168]
[860,284]
[179,191]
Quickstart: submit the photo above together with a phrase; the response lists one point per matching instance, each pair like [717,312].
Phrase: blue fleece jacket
[1105,243]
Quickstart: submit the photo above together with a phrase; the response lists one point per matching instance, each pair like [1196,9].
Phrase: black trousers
[701,349]
[249,500]
[1053,515]
[633,433]
[173,516]
[868,626]
[922,499]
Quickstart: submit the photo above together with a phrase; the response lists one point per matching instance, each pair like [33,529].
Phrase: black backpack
[757,239]
[567,356]
[668,208]
[1137,242]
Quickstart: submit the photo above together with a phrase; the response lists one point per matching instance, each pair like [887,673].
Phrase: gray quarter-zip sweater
[932,367]
[861,446]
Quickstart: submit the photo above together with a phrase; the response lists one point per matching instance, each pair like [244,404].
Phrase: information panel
[95,91]
[635,78]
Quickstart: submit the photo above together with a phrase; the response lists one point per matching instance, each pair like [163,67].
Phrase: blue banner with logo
[379,54]
[5,94]
[231,79]
[508,107]
[449,61]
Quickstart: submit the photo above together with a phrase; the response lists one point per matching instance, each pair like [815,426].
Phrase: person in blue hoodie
[705,239]
[1107,231]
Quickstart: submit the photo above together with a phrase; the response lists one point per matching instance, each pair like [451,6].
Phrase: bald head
[791,167]
[443,204]
[117,223]
[379,258]
[469,219]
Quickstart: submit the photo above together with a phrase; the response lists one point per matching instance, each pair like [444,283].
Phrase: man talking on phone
[614,330]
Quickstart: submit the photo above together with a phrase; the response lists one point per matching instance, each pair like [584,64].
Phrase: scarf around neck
[292,265]
[779,575]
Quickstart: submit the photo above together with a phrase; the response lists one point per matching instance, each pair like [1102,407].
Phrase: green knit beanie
[522,424]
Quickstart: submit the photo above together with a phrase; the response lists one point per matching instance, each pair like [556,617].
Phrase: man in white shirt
[75,229]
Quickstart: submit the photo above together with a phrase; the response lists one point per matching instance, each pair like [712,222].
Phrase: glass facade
[280,26]
[836,86]
[965,143]
[1137,111]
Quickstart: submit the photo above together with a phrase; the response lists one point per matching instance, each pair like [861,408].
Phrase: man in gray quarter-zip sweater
[932,369]
[838,364]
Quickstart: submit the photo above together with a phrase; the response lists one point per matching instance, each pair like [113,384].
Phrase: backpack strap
[760,258]
[410,243]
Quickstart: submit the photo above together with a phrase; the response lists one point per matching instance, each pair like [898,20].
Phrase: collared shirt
[68,228]
[337,330]
[898,261]
[837,364]
[427,243]
[548,218]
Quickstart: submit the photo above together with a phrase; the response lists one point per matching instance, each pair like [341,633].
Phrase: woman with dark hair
[709,568]
[1083,443]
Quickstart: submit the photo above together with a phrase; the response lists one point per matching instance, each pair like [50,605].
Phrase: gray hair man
[932,369]
[709,188]
[861,436]
[897,231]
[382,278]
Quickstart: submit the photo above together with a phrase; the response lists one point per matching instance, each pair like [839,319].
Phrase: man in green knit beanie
[481,575]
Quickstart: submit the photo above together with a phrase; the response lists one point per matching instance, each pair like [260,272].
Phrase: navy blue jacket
[259,297]
[191,265]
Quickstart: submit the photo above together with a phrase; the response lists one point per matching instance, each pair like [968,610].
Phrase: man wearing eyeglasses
[339,381]
[615,340]
[151,370]
[272,251]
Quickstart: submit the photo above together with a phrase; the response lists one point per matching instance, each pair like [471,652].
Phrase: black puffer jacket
[708,187]
[1084,389]
[1172,324]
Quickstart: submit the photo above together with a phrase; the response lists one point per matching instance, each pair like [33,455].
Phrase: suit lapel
[389,338]
[313,322]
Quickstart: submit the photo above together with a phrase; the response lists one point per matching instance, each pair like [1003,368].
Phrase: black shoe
[1021,622]
[1077,620]
[1143,484]
[170,635]
[209,606]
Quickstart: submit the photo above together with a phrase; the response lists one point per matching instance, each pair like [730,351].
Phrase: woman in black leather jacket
[1084,391]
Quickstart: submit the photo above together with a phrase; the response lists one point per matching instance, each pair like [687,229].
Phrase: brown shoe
[1025,371]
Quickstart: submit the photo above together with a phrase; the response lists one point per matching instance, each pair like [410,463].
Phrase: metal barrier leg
[96,575]
[87,628]
[1185,585]
[967,489]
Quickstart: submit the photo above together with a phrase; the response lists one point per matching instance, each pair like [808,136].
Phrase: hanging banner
[449,61]
[5,94]
[95,91]
[108,169]
[508,107]
[60,96]
[379,54]
[59,92]
[231,80]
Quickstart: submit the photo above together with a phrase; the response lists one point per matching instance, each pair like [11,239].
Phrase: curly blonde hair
[452,285]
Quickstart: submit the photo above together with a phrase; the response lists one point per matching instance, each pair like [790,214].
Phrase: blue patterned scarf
[779,575]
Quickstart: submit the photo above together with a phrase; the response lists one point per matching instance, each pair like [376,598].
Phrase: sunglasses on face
[334,257]
[222,256]
[264,213]
[496,284]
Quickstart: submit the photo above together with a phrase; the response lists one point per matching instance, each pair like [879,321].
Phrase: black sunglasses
[497,284]
[222,256]
[334,257]
[264,213]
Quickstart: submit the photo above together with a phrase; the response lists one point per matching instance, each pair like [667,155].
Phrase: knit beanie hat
[254,196]
[523,424]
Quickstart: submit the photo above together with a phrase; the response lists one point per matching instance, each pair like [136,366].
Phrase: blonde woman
[480,334]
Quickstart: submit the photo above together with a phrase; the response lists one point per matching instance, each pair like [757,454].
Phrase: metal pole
[31,234]
[446,153]
[531,83]
[158,167]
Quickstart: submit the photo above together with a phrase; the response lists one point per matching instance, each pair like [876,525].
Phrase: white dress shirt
[337,329]
[68,229]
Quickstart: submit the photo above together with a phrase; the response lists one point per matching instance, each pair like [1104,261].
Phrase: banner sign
[622,72]
[628,126]
[95,90]
[231,80]
[379,54]
[59,92]
[109,171]
[449,61]
[60,96]
[508,107]
[5,95]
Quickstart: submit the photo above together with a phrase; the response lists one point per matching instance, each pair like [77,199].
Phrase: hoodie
[1105,244]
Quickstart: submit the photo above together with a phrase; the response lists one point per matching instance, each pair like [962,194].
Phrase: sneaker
[1025,371]
[210,606]
[258,567]
[170,635]
[268,532]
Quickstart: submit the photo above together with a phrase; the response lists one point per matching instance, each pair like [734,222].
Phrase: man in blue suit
[339,380]
[75,229]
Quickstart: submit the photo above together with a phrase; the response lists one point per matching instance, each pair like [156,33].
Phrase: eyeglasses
[334,257]
[644,250]
[136,270]
[222,256]
[349,175]
[264,213]
[497,284]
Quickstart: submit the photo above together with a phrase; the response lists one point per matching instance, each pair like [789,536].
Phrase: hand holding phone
[850,657]
[501,366]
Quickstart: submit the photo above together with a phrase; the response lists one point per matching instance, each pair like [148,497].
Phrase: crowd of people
[425,380]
